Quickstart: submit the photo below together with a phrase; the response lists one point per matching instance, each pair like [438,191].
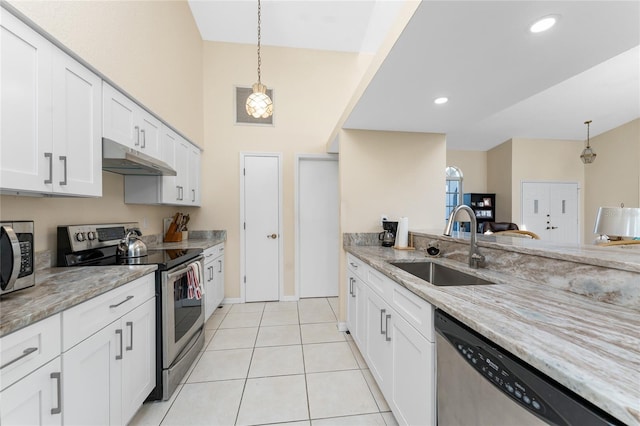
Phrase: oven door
[182,315]
[10,257]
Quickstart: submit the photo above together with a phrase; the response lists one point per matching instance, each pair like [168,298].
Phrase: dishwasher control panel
[492,368]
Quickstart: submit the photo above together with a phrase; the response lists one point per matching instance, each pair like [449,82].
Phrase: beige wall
[153,51]
[614,177]
[545,160]
[474,169]
[499,164]
[398,174]
[310,91]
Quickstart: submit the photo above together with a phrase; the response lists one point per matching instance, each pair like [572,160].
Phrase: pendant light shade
[588,156]
[259,104]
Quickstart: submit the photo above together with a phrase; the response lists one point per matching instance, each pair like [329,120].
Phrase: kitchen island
[585,342]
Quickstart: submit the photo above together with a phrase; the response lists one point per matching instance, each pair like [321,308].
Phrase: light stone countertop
[591,347]
[58,289]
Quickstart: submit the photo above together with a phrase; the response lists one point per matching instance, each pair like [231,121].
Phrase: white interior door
[550,209]
[261,226]
[318,227]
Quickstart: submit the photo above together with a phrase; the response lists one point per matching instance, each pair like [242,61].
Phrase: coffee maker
[388,236]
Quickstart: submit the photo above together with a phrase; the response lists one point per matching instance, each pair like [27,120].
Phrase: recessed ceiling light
[543,24]
[440,101]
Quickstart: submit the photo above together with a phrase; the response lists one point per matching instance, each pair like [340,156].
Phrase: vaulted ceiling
[501,80]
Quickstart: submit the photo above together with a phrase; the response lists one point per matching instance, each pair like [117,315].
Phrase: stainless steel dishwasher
[479,383]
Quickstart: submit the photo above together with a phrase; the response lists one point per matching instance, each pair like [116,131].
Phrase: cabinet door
[25,110]
[169,144]
[413,385]
[77,128]
[219,281]
[378,348]
[35,399]
[194,176]
[93,379]
[119,118]
[182,168]
[139,364]
[150,134]
[209,287]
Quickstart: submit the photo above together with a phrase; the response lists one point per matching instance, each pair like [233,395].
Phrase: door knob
[272,236]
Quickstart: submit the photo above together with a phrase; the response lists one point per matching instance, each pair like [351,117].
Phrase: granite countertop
[58,289]
[592,348]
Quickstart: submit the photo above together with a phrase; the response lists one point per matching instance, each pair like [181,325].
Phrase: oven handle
[184,270]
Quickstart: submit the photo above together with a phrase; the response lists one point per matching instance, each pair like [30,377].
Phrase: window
[453,191]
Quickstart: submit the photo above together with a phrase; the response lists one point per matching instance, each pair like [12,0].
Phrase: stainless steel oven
[182,324]
[17,264]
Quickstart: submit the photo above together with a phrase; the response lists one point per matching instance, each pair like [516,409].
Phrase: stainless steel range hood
[117,158]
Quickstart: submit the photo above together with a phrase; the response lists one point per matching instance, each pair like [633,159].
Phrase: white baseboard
[229,300]
[342,326]
[289,298]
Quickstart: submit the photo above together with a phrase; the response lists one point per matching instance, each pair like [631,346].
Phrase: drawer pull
[58,408]
[386,330]
[354,265]
[118,304]
[130,347]
[119,332]
[219,266]
[351,286]
[382,312]
[25,353]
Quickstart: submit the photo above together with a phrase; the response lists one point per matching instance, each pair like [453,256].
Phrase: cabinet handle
[119,331]
[354,265]
[193,198]
[382,312]
[181,197]
[351,286]
[130,347]
[221,249]
[144,138]
[125,300]
[58,408]
[220,266]
[177,193]
[210,273]
[25,353]
[49,155]
[64,159]
[386,330]
[137,135]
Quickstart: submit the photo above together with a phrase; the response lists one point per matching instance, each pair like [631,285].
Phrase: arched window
[453,192]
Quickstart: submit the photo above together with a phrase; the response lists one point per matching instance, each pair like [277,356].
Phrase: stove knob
[80,236]
[91,235]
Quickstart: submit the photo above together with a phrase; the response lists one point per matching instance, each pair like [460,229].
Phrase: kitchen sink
[439,275]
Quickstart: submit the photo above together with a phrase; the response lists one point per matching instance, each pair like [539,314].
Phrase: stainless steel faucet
[476,260]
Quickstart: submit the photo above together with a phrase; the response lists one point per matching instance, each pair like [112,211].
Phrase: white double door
[550,209]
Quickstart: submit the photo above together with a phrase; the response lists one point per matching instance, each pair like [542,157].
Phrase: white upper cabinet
[125,122]
[193,196]
[50,117]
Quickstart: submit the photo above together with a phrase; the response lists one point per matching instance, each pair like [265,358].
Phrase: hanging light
[588,156]
[259,104]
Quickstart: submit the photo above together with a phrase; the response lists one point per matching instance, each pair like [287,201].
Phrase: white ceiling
[501,81]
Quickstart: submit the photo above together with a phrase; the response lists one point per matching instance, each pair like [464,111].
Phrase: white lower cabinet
[395,337]
[213,279]
[35,399]
[111,371]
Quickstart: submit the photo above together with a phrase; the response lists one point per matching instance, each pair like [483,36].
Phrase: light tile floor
[274,363]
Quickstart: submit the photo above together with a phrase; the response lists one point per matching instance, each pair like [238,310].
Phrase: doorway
[550,209]
[317,226]
[260,226]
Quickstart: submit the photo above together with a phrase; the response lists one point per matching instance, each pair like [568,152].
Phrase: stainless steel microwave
[17,265]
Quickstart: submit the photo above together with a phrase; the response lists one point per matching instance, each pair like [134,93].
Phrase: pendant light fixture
[588,156]
[259,104]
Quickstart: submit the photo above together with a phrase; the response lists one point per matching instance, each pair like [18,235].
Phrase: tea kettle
[131,245]
[387,238]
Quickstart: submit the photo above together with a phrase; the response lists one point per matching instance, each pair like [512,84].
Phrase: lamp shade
[618,222]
